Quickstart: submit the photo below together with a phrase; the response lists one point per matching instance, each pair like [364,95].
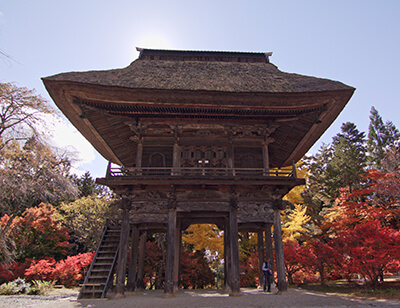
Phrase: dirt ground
[199,298]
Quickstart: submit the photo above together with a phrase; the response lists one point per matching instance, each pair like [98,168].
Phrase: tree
[349,158]
[370,249]
[296,259]
[338,166]
[21,113]
[391,160]
[30,174]
[378,201]
[205,237]
[381,138]
[195,270]
[249,269]
[363,227]
[295,195]
[39,233]
[295,223]
[86,218]
[87,186]
[322,256]
[316,194]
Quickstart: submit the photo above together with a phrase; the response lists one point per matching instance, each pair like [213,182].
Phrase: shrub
[41,269]
[68,272]
[40,287]
[18,286]
[10,272]
[8,288]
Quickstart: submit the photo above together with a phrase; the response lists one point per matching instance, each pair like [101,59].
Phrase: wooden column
[122,254]
[230,157]
[142,254]
[227,257]
[171,239]
[132,272]
[139,156]
[266,158]
[234,242]
[261,254]
[108,172]
[177,255]
[280,261]
[268,245]
[176,159]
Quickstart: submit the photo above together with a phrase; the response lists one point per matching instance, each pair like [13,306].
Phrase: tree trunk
[321,273]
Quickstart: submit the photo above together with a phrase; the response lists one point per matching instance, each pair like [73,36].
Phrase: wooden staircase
[100,274]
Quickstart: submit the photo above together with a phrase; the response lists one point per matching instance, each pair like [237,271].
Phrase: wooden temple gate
[195,137]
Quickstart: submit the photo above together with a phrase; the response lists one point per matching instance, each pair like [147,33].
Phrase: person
[267,271]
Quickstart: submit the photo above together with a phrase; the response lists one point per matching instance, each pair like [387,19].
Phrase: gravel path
[206,298]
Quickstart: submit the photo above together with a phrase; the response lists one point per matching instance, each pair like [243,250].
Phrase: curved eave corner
[64,102]
[318,129]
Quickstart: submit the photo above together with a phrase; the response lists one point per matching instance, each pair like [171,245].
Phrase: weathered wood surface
[261,255]
[171,239]
[122,254]
[142,254]
[234,247]
[280,261]
[132,270]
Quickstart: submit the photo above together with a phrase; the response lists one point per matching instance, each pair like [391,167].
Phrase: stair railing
[110,274]
[91,264]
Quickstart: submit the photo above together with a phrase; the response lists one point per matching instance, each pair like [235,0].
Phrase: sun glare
[154,41]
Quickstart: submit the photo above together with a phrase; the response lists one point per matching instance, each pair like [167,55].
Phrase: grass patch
[385,290]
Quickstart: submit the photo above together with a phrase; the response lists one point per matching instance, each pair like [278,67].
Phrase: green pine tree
[349,161]
[381,137]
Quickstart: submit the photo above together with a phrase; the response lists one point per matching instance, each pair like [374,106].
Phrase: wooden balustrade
[209,172]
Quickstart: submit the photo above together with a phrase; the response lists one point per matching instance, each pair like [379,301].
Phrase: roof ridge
[202,55]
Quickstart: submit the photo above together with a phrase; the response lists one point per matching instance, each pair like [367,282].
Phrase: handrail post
[108,171]
[294,173]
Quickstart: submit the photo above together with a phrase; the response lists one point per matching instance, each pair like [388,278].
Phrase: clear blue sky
[353,41]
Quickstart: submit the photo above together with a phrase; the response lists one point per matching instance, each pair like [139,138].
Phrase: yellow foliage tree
[205,237]
[294,195]
[295,225]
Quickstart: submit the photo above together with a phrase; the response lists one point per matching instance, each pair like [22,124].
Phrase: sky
[352,41]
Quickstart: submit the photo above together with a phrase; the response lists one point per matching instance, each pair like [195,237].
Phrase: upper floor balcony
[117,175]
[200,172]
[200,165]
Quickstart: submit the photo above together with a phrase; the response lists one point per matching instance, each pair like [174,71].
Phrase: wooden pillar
[139,156]
[177,255]
[280,261]
[268,245]
[234,242]
[230,157]
[261,258]
[176,159]
[142,254]
[122,254]
[132,272]
[108,172]
[171,239]
[266,158]
[227,257]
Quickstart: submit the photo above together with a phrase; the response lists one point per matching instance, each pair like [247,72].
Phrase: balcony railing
[206,172]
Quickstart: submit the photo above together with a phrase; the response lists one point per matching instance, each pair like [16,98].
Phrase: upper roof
[165,81]
[203,70]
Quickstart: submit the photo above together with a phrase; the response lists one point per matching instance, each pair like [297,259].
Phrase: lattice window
[203,156]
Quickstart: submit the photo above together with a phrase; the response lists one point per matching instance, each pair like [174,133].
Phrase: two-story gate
[197,137]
